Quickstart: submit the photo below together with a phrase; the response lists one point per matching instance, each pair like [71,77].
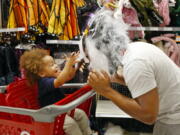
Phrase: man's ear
[122,52]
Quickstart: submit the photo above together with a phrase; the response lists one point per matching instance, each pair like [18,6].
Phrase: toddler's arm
[68,71]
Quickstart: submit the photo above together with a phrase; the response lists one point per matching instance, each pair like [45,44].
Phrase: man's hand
[100,81]
[81,65]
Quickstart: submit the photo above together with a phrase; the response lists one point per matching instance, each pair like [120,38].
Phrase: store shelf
[154,28]
[77,42]
[107,109]
[69,42]
[172,4]
[12,29]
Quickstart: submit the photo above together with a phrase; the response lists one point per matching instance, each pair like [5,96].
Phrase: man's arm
[144,108]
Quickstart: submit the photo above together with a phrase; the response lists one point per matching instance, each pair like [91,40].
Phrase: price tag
[178,39]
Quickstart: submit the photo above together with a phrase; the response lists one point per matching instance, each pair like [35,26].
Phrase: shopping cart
[20,113]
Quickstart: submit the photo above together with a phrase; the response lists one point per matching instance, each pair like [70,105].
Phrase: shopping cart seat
[2,99]
[3,103]
[21,95]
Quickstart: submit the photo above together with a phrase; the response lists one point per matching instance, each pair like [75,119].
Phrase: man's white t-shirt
[146,67]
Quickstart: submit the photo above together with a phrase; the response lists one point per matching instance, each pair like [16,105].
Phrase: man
[152,78]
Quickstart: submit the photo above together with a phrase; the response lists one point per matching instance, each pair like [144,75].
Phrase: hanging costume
[63,19]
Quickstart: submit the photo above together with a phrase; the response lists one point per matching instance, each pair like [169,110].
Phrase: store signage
[25,133]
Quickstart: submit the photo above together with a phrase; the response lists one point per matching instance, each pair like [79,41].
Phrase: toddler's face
[50,68]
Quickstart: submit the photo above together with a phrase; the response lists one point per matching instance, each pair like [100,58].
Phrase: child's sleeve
[46,85]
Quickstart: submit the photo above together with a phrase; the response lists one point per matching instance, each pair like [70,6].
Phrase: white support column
[0,13]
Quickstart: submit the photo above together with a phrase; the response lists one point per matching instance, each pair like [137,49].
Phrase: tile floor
[135,133]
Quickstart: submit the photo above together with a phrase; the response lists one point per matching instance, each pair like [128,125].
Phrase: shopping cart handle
[48,113]
[67,85]
[54,110]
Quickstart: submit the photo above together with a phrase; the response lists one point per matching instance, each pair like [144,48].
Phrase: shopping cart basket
[20,113]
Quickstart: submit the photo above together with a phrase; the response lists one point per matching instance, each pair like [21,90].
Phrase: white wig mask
[106,38]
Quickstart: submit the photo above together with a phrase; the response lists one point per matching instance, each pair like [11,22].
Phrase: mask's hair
[109,36]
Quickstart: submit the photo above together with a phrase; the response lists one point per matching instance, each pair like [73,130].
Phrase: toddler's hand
[69,68]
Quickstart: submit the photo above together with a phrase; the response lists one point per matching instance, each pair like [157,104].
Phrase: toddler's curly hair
[31,63]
